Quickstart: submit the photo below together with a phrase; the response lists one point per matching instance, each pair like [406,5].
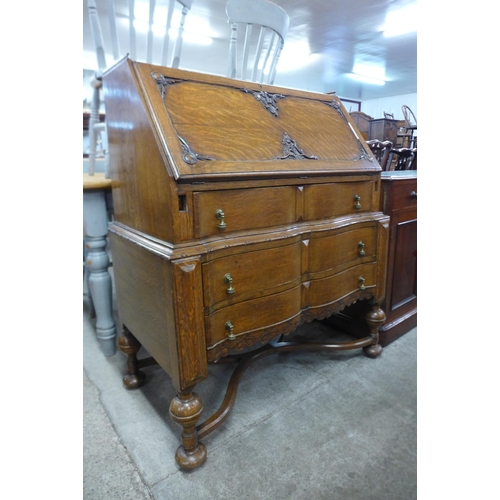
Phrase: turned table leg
[95,228]
[130,346]
[185,410]
[375,318]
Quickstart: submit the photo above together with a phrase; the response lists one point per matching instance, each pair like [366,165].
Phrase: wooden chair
[261,51]
[410,125]
[96,129]
[403,159]
[381,151]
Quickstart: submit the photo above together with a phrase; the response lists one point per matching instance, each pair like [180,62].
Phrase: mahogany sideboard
[399,201]
[241,211]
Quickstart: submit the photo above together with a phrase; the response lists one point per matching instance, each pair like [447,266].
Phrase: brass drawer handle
[361,283]
[361,249]
[229,328]
[413,194]
[228,279]
[220,217]
[357,201]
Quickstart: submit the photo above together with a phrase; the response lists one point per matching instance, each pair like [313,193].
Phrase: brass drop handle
[220,217]
[361,283]
[413,194]
[228,279]
[361,249]
[229,328]
[357,200]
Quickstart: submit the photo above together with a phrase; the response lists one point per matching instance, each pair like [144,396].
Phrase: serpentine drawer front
[241,211]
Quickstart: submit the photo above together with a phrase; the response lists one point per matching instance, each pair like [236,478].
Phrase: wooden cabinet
[399,201]
[362,121]
[384,129]
[241,211]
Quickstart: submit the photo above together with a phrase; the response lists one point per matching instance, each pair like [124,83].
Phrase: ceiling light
[400,22]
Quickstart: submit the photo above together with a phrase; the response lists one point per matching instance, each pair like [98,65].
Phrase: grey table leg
[95,229]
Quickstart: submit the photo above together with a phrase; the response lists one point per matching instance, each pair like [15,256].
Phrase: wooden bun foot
[129,345]
[185,410]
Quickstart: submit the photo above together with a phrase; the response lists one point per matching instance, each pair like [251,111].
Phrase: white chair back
[107,9]
[262,47]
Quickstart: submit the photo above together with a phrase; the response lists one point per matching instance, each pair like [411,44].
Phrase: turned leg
[185,410]
[375,319]
[95,228]
[129,345]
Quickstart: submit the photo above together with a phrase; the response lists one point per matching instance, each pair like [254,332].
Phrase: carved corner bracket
[189,156]
[291,151]
[267,99]
[163,82]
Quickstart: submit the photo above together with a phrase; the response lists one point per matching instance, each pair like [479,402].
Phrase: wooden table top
[96,181]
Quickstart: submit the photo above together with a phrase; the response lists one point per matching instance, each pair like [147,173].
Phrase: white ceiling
[338,33]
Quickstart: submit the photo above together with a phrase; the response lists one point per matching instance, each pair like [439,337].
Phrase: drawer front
[323,201]
[247,318]
[405,194]
[324,291]
[341,250]
[220,212]
[236,278]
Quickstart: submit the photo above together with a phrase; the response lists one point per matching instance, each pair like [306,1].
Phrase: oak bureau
[241,211]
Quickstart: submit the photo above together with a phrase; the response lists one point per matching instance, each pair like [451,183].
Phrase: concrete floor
[304,426]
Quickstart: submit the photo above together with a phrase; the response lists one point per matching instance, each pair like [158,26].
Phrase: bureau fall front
[241,211]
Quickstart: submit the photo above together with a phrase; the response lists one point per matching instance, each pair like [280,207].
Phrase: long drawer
[246,322]
[225,211]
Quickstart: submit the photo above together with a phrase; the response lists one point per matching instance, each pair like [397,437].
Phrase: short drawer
[323,201]
[325,291]
[240,277]
[341,250]
[220,212]
[405,194]
[246,321]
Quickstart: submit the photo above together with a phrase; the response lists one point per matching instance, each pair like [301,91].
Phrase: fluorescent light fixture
[401,22]
[368,73]
[366,79]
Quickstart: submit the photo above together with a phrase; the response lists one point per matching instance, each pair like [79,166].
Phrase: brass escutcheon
[361,249]
[357,200]
[229,328]
[228,279]
[220,217]
[361,283]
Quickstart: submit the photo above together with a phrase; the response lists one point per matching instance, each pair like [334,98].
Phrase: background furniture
[95,126]
[223,241]
[362,121]
[410,126]
[384,129]
[95,230]
[402,159]
[399,201]
[381,151]
[260,53]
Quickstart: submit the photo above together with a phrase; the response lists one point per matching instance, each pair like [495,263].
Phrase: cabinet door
[402,277]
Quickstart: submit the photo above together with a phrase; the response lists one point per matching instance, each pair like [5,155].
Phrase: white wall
[376,107]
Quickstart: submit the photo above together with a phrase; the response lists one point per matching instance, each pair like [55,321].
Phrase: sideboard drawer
[219,212]
[405,194]
[323,201]
[341,250]
[244,276]
[251,317]
[327,290]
